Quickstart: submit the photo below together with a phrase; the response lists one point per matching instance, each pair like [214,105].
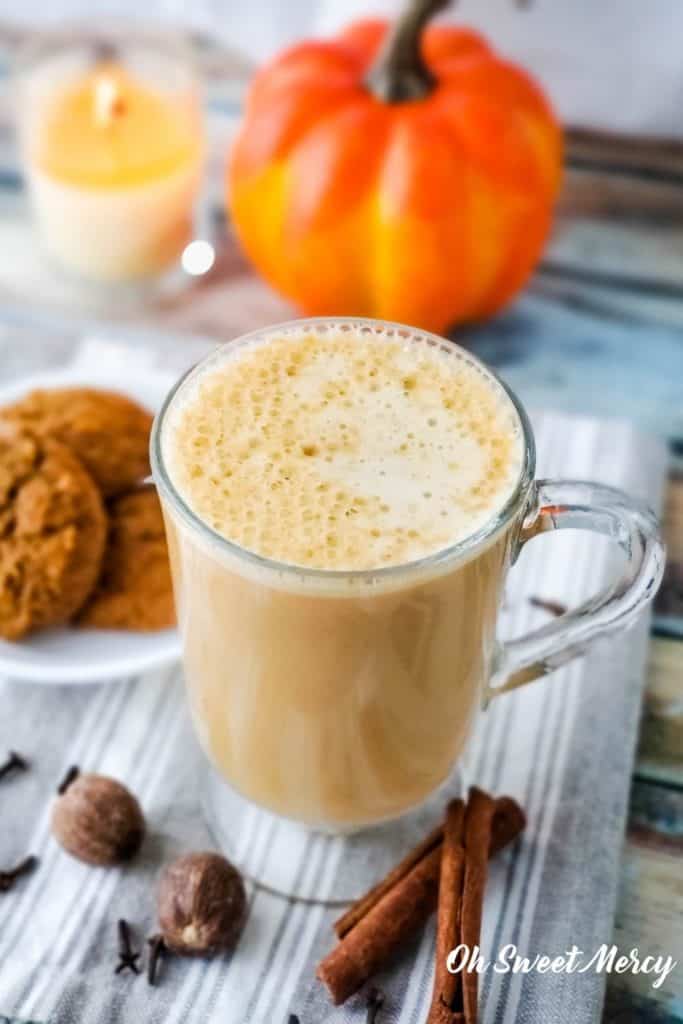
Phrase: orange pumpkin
[408,175]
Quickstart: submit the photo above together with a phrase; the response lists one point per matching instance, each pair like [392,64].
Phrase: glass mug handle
[573,504]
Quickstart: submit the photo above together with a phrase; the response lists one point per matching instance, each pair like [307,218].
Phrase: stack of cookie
[81,536]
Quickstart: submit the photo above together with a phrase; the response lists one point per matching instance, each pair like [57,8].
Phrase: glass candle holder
[112,141]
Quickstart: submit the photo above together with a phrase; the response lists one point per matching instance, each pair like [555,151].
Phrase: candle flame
[108,102]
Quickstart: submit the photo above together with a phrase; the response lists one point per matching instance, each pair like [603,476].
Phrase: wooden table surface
[600,330]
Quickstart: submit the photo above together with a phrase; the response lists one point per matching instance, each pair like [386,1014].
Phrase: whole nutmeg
[97,819]
[202,904]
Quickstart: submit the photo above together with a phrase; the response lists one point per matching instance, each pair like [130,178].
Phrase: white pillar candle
[113,164]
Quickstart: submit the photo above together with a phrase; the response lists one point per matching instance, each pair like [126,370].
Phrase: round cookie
[108,432]
[134,590]
[52,532]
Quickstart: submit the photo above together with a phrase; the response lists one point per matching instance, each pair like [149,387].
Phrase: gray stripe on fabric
[524,858]
[483,746]
[312,841]
[537,852]
[520,853]
[553,706]
[535,784]
[299,910]
[523,618]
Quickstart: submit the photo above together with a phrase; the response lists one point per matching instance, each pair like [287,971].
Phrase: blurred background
[614,66]
[613,75]
[608,67]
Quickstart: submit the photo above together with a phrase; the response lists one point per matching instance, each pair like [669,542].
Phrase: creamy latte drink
[337,562]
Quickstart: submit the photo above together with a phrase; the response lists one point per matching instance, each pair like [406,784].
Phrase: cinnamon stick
[382,932]
[479,815]
[359,909]
[508,823]
[447,1002]
[441,1014]
[375,928]
[464,867]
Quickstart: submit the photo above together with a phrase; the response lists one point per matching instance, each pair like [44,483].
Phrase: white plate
[68,655]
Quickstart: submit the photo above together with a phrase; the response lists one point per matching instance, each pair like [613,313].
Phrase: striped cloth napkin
[563,748]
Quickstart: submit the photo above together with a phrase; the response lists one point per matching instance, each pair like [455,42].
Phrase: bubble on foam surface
[342,449]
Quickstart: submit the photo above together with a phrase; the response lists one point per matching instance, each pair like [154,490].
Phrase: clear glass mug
[339,700]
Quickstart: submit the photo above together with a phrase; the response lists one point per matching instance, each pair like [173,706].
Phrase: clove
[555,608]
[157,948]
[71,774]
[14,763]
[374,1004]
[128,960]
[8,878]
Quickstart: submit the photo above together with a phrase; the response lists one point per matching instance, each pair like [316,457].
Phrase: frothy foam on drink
[340,449]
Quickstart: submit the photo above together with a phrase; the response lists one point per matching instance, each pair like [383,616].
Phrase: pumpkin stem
[400,73]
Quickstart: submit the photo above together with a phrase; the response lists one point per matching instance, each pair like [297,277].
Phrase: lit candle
[113,166]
